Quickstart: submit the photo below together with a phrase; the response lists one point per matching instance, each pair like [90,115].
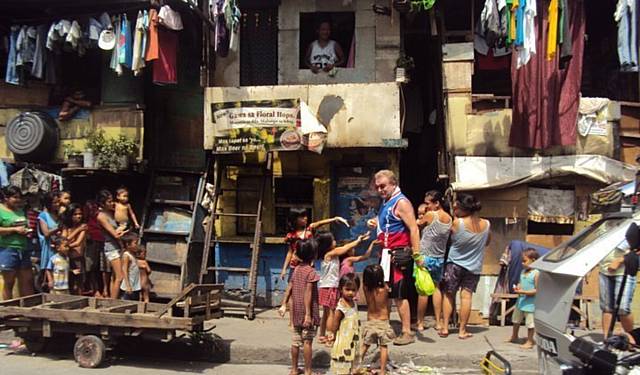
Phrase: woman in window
[323,54]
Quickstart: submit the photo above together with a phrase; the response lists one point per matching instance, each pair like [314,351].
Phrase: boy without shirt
[376,330]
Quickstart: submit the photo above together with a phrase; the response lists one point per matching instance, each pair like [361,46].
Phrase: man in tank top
[323,54]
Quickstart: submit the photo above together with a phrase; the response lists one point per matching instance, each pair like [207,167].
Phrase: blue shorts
[609,289]
[14,259]
[435,267]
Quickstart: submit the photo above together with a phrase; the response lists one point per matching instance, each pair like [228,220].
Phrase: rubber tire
[35,344]
[89,351]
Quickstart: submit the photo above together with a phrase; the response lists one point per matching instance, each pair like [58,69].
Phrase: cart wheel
[35,344]
[89,351]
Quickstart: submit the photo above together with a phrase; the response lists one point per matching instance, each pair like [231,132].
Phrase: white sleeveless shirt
[323,56]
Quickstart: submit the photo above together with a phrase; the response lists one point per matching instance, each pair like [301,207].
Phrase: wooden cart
[97,323]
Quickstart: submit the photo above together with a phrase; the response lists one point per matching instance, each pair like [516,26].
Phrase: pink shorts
[328,297]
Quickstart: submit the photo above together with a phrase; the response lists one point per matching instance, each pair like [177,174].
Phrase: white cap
[107,39]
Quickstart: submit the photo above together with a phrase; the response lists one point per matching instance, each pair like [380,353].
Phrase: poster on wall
[266,125]
[357,201]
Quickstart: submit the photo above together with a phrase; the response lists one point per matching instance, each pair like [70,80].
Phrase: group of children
[78,244]
[335,289]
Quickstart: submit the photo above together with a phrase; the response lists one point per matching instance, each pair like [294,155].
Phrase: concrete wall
[377,45]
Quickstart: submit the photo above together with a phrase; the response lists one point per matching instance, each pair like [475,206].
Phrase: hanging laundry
[115,56]
[508,15]
[40,53]
[164,69]
[11,75]
[626,17]
[152,51]
[520,22]
[170,19]
[74,35]
[565,37]
[512,20]
[138,54]
[145,35]
[232,16]
[545,97]
[4,177]
[221,38]
[529,39]
[125,43]
[552,40]
[26,45]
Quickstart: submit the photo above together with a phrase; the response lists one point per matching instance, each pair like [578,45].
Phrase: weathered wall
[377,45]
[356,115]
[114,121]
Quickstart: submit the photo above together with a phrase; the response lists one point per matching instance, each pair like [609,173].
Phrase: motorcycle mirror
[633,236]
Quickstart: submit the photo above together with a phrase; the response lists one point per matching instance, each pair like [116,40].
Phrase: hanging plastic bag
[424,282]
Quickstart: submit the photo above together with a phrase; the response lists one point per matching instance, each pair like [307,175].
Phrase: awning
[479,172]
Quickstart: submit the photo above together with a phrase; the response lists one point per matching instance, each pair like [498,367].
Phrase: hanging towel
[552,39]
[12,74]
[125,43]
[39,56]
[164,69]
[152,51]
[138,56]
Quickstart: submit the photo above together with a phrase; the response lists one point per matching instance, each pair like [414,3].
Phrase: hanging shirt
[152,51]
[11,75]
[145,34]
[520,22]
[26,45]
[115,56]
[529,37]
[125,56]
[39,56]
[508,14]
[164,69]
[552,37]
[512,20]
[138,55]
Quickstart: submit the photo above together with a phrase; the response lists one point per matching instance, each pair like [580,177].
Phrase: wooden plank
[122,308]
[175,300]
[77,303]
[102,318]
[28,301]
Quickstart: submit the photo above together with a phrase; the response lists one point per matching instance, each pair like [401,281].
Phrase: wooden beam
[132,307]
[28,301]
[74,304]
[103,319]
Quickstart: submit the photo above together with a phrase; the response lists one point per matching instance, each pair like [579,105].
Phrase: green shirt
[11,219]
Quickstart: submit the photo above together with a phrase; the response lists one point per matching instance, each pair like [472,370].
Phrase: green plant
[70,150]
[405,62]
[111,152]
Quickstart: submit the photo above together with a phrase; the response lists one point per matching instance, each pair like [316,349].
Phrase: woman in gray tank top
[436,226]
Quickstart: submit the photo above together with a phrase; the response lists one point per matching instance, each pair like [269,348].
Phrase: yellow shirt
[552,36]
[512,27]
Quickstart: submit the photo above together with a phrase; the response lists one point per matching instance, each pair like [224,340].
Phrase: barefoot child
[525,306]
[376,330]
[305,315]
[344,329]
[145,271]
[74,231]
[299,231]
[58,270]
[124,212]
[131,282]
[328,293]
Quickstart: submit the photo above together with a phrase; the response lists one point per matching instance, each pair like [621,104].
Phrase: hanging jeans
[12,74]
[627,36]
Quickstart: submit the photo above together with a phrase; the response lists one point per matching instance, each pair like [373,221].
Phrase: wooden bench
[583,309]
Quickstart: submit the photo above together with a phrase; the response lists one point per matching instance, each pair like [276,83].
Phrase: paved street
[261,346]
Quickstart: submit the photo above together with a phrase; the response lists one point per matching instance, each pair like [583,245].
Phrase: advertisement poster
[357,201]
[271,125]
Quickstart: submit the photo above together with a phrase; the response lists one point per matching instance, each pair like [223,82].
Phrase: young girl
[130,285]
[74,231]
[348,260]
[344,330]
[112,244]
[305,315]
[124,211]
[525,306]
[98,271]
[299,231]
[330,275]
[47,228]
[145,271]
[324,53]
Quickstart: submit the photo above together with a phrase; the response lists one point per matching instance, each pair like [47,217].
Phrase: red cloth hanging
[546,97]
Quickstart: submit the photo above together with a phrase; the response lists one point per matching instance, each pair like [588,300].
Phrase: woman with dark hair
[436,227]
[48,221]
[15,258]
[112,234]
[469,237]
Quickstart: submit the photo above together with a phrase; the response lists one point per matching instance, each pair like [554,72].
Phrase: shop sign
[271,125]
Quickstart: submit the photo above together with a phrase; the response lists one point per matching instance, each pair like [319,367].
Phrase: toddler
[131,282]
[58,270]
[305,315]
[123,211]
[525,306]
[344,331]
[376,330]
[330,275]
[145,271]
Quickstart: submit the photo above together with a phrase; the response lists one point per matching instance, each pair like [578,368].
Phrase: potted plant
[95,144]
[111,153]
[404,65]
[75,159]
